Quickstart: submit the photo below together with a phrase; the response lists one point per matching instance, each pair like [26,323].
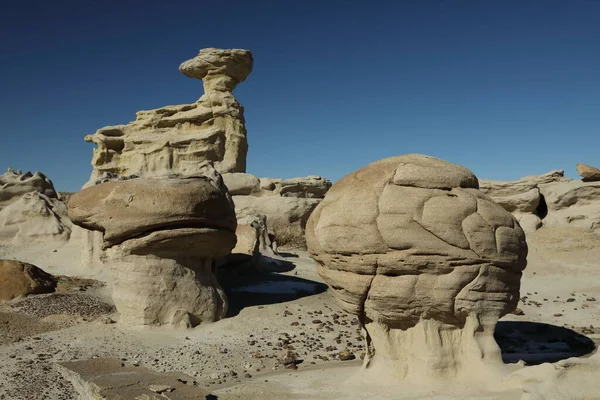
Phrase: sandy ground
[236,358]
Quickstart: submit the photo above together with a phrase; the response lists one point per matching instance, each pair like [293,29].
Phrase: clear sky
[506,88]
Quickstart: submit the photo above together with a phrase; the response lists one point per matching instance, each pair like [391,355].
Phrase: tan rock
[19,279]
[178,138]
[161,236]
[108,378]
[427,261]
[284,210]
[588,173]
[241,184]
[526,202]
[573,203]
[306,187]
[254,247]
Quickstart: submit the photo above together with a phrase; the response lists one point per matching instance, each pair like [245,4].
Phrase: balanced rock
[19,279]
[30,209]
[161,236]
[427,261]
[179,138]
[588,173]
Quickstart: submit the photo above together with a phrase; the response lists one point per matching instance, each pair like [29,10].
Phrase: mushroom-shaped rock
[221,69]
[427,262]
[161,236]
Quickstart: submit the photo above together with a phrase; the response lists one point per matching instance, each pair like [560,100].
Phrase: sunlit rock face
[179,138]
[427,261]
[160,237]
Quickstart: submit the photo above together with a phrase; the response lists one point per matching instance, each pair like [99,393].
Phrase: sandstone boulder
[179,138]
[19,279]
[161,236]
[588,173]
[427,261]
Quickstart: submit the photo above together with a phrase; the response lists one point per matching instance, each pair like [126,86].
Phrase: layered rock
[19,279]
[283,201]
[161,236]
[523,198]
[560,201]
[573,203]
[588,173]
[30,209]
[179,138]
[428,262]
[254,247]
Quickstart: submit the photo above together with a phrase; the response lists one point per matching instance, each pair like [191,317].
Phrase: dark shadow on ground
[247,288]
[537,343]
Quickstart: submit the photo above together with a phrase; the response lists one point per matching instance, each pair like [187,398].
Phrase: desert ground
[237,357]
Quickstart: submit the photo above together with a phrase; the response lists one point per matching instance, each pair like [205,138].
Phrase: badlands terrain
[176,274]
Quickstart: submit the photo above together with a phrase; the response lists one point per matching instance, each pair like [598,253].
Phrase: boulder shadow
[537,343]
[251,288]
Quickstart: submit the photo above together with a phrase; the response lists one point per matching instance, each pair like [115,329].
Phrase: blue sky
[506,88]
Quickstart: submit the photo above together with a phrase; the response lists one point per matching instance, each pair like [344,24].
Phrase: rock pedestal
[160,237]
[426,261]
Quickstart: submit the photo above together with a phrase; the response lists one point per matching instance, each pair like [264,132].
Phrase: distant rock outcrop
[523,197]
[179,138]
[548,199]
[588,173]
[30,209]
[426,261]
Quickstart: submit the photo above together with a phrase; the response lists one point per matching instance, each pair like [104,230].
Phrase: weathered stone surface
[588,173]
[278,209]
[19,279]
[130,208]
[160,236]
[109,379]
[427,261]
[30,209]
[573,203]
[241,184]
[526,202]
[306,187]
[254,247]
[525,184]
[14,185]
[178,138]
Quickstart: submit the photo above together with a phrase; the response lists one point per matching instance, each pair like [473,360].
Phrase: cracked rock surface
[427,262]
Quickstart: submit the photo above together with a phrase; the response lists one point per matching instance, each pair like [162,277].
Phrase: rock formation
[548,199]
[30,209]
[284,201]
[19,279]
[588,173]
[427,261]
[161,236]
[254,247]
[179,138]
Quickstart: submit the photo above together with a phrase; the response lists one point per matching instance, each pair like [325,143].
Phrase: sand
[236,358]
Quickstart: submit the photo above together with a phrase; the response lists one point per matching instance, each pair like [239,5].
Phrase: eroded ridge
[427,261]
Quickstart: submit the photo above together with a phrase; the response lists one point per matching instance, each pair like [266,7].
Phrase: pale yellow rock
[427,261]
[30,210]
[178,138]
